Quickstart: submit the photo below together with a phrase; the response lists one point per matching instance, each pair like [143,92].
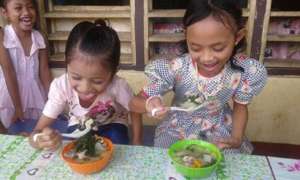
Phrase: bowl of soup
[83,164]
[194,158]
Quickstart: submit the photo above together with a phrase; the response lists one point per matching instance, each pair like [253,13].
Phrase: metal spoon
[173,108]
[81,131]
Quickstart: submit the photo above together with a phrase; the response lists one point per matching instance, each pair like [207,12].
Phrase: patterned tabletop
[18,160]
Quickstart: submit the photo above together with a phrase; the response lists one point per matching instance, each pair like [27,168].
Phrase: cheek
[226,55]
[99,87]
[194,55]
[33,13]
[74,83]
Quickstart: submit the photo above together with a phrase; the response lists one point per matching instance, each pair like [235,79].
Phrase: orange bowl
[89,166]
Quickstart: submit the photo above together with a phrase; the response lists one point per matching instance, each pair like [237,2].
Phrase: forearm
[240,119]
[43,122]
[46,79]
[137,104]
[45,74]
[10,77]
[137,128]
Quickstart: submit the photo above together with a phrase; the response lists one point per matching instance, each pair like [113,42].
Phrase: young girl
[24,72]
[205,80]
[90,88]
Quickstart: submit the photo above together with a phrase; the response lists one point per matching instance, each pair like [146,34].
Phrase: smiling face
[87,76]
[21,14]
[211,44]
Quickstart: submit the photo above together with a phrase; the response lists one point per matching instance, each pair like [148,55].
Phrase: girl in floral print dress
[208,77]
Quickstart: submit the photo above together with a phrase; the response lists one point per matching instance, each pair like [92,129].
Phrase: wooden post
[41,13]
[139,34]
[265,28]
[250,24]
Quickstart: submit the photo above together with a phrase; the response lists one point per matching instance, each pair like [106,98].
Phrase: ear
[240,35]
[3,12]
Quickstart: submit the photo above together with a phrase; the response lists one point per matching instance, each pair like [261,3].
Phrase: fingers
[155,107]
[230,142]
[49,139]
[153,102]
[159,112]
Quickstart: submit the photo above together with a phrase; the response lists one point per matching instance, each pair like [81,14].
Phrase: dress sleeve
[160,78]
[123,93]
[253,80]
[40,40]
[57,98]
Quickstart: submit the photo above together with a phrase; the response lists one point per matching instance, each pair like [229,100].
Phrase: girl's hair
[226,11]
[3,3]
[95,39]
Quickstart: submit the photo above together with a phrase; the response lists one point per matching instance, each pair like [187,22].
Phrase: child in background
[24,72]
[90,88]
[208,77]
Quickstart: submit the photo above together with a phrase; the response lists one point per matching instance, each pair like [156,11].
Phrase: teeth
[26,19]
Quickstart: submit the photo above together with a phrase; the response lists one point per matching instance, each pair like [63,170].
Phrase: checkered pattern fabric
[214,118]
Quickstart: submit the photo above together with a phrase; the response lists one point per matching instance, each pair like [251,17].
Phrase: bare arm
[43,122]
[138,104]
[239,123]
[10,79]
[240,119]
[137,128]
[44,70]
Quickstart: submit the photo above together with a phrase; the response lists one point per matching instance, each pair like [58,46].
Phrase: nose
[84,87]
[207,56]
[26,11]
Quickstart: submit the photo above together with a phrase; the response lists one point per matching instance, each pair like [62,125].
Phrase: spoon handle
[173,108]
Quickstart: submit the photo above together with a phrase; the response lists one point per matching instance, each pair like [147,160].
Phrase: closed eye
[97,81]
[18,8]
[218,49]
[76,78]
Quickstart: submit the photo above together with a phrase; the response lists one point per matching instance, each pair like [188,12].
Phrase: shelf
[176,37]
[282,63]
[284,38]
[60,57]
[63,36]
[71,8]
[285,13]
[177,13]
[88,14]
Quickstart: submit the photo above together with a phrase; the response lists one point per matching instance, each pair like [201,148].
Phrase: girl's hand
[48,139]
[18,115]
[230,142]
[155,107]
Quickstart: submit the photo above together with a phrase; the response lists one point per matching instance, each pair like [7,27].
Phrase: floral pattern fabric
[210,96]
[111,106]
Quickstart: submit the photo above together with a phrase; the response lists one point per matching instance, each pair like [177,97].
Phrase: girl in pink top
[24,72]
[90,88]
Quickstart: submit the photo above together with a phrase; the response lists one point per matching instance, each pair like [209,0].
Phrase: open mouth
[210,66]
[87,97]
[27,21]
